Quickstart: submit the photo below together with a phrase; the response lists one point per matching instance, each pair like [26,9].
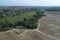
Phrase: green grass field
[19,17]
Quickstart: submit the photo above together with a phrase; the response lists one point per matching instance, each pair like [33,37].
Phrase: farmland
[51,23]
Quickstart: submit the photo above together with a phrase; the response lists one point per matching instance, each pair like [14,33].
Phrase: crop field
[51,24]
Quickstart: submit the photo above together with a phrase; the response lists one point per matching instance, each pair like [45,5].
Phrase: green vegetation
[21,19]
[27,15]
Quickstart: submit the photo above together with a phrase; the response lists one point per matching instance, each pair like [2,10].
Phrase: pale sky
[29,2]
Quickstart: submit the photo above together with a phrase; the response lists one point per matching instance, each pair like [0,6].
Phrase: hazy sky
[29,2]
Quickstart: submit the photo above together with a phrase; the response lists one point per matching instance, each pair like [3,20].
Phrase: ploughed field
[51,23]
